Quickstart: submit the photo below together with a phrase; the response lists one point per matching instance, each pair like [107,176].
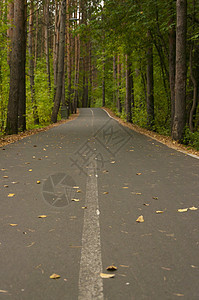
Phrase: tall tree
[180,82]
[17,63]
[59,88]
[150,83]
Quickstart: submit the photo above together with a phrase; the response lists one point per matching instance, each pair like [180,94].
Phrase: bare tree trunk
[68,45]
[150,84]
[103,81]
[10,29]
[119,106]
[46,41]
[59,89]
[36,35]
[128,90]
[16,63]
[31,63]
[114,80]
[180,82]
[56,42]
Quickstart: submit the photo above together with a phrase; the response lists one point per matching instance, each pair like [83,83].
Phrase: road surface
[70,198]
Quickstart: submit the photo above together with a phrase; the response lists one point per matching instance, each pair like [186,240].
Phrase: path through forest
[70,198]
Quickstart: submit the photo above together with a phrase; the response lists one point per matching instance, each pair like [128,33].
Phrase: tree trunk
[10,29]
[16,65]
[56,43]
[114,80]
[31,63]
[180,82]
[150,85]
[59,89]
[68,46]
[172,59]
[119,106]
[103,82]
[128,90]
[46,41]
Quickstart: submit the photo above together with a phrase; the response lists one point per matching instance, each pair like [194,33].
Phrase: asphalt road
[91,179]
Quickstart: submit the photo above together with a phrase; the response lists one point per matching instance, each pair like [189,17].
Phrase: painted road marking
[90,282]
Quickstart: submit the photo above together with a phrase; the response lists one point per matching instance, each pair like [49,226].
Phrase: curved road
[89,180]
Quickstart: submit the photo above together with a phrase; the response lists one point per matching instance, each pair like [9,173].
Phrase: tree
[59,87]
[180,82]
[17,70]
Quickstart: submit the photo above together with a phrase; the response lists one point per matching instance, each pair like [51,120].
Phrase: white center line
[90,282]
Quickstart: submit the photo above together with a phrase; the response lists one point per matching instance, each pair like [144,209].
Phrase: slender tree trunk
[16,64]
[68,43]
[128,90]
[103,81]
[31,63]
[56,43]
[119,106]
[59,89]
[180,82]
[114,80]
[10,29]
[46,40]
[150,84]
[172,59]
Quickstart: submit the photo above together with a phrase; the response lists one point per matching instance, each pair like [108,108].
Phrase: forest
[139,58]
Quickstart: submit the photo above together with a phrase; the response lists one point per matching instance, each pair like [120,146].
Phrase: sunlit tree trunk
[150,84]
[46,40]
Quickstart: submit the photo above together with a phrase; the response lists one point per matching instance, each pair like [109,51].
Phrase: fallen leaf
[76,187]
[155,198]
[14,182]
[159,211]
[140,219]
[42,216]
[105,276]
[125,187]
[84,207]
[30,245]
[30,170]
[113,162]
[105,171]
[131,150]
[111,268]
[75,200]
[55,276]
[3,291]
[78,191]
[182,209]
[3,169]
[124,266]
[38,182]
[179,295]
[146,204]
[5,186]
[11,195]
[5,176]
[167,269]
[105,193]
[138,174]
[193,208]
[13,225]
[194,267]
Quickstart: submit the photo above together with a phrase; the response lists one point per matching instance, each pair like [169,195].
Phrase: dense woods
[140,58]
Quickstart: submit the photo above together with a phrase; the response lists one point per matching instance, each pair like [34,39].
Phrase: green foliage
[191,138]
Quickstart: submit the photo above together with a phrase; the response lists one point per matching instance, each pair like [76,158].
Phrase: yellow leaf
[84,207]
[79,191]
[105,276]
[159,211]
[11,195]
[140,219]
[13,225]
[76,187]
[156,198]
[42,216]
[182,209]
[105,193]
[5,176]
[113,162]
[30,170]
[75,200]
[146,204]
[55,276]
[193,208]
[111,268]
[125,187]
[38,182]
[138,174]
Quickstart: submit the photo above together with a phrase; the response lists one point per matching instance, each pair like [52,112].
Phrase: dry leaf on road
[193,208]
[140,219]
[105,276]
[13,225]
[111,268]
[75,200]
[159,211]
[55,276]
[11,195]
[42,216]
[182,209]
